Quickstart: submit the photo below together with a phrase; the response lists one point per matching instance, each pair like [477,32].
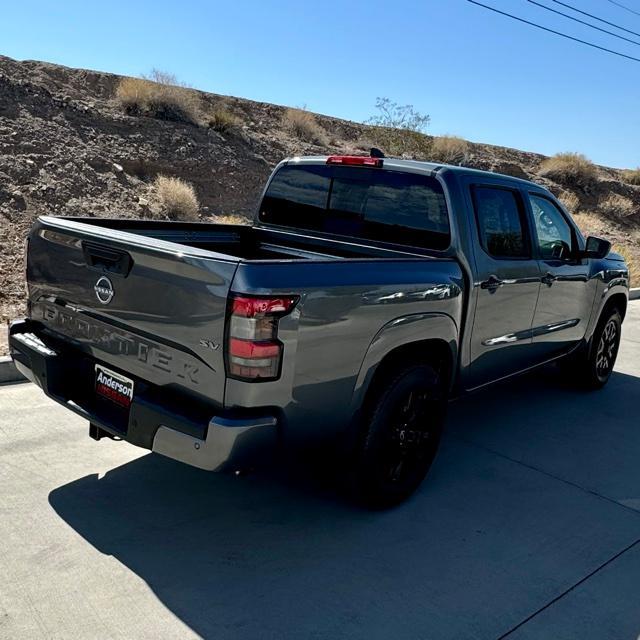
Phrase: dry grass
[631,176]
[589,223]
[570,169]
[223,120]
[230,219]
[570,201]
[159,95]
[177,199]
[632,262]
[449,149]
[592,224]
[616,206]
[304,126]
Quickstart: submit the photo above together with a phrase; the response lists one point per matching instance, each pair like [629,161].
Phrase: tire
[597,364]
[400,436]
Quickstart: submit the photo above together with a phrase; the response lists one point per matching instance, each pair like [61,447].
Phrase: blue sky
[478,74]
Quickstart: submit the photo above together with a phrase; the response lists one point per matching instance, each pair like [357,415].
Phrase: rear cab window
[360,202]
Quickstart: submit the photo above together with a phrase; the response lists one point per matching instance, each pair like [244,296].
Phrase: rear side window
[387,206]
[500,219]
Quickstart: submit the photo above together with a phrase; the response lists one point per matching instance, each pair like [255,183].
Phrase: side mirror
[596,248]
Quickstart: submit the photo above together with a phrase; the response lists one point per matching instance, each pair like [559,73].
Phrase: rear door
[566,294]
[506,285]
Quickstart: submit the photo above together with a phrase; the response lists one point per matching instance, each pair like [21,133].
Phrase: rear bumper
[226,440]
[175,426]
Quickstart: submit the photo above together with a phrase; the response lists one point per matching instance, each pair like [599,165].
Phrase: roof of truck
[398,164]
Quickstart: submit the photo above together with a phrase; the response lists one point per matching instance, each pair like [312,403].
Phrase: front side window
[387,206]
[500,222]
[555,239]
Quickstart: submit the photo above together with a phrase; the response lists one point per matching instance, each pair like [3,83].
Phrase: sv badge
[209,344]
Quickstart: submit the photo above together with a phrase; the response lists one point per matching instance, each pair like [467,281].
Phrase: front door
[506,286]
[566,293]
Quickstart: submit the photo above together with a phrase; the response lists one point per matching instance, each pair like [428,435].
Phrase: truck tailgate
[147,307]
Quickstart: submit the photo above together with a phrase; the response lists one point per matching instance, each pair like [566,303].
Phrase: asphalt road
[528,526]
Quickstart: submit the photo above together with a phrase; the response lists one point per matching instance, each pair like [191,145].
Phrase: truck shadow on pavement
[506,521]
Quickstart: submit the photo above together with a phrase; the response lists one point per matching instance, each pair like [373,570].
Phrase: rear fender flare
[401,332]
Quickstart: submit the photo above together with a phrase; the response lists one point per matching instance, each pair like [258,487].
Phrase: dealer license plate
[114,386]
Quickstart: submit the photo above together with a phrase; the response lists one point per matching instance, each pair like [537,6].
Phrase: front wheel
[400,436]
[597,366]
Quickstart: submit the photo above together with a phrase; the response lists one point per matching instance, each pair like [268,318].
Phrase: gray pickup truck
[368,292]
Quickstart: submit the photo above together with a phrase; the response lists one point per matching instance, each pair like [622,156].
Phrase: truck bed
[150,297]
[242,242]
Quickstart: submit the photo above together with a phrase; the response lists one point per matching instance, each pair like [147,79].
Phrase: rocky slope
[68,147]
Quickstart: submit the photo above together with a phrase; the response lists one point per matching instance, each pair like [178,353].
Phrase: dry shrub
[632,260]
[616,206]
[133,93]
[400,130]
[401,142]
[398,116]
[230,219]
[160,95]
[449,149]
[570,201]
[222,120]
[631,176]
[570,169]
[304,126]
[177,198]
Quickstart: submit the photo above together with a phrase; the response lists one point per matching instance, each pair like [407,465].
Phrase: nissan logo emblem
[104,290]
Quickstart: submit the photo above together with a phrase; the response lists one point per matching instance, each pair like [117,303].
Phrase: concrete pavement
[528,526]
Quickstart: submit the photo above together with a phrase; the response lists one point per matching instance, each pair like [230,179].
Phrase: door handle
[549,278]
[492,284]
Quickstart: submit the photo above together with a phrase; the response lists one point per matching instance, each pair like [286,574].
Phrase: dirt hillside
[68,145]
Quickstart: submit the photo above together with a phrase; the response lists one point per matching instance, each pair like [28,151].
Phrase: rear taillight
[253,351]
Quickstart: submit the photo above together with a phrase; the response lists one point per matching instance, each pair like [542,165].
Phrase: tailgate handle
[105,259]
